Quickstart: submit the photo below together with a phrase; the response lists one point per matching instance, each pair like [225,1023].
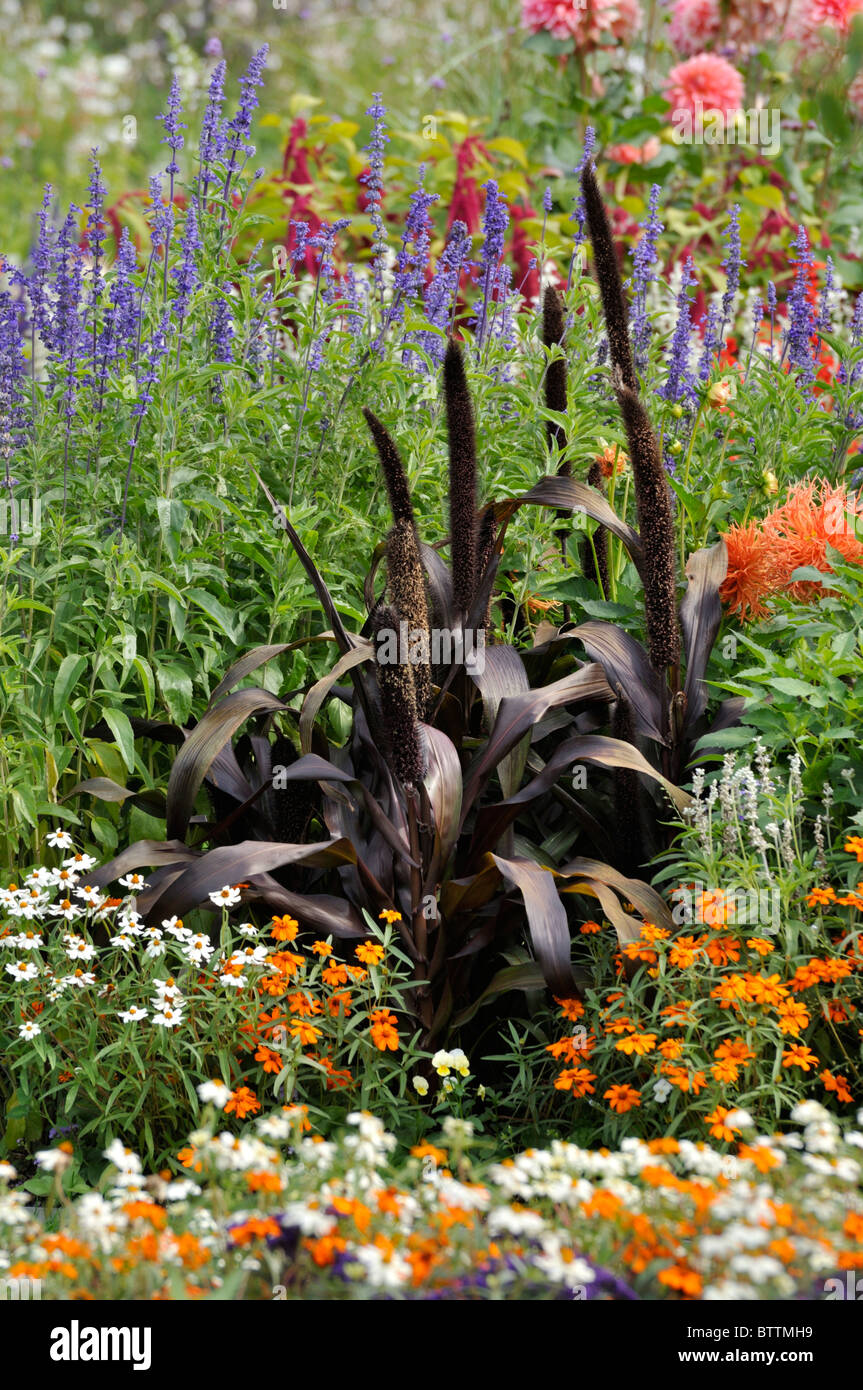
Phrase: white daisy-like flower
[233,981]
[39,878]
[53,1160]
[80,863]
[225,897]
[167,989]
[60,839]
[133,1014]
[7,1172]
[248,929]
[79,949]
[214,1093]
[66,908]
[134,882]
[126,1160]
[198,949]
[27,940]
[130,921]
[90,895]
[29,1030]
[123,941]
[80,979]
[174,927]
[22,970]
[64,878]
[167,1018]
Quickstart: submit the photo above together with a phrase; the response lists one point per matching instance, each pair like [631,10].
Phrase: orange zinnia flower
[383,1030]
[799,1056]
[369,952]
[284,928]
[622,1098]
[243,1102]
[572,1009]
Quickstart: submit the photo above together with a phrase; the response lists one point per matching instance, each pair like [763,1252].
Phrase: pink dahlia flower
[694,25]
[583,24]
[832,14]
[704,81]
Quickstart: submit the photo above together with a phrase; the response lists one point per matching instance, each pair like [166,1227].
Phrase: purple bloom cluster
[442,291]
[185,274]
[494,224]
[801,316]
[579,214]
[211,147]
[644,258]
[373,179]
[679,384]
[732,265]
[412,258]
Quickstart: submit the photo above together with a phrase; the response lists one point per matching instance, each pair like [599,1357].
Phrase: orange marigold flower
[389,915]
[243,1102]
[853,1226]
[369,952]
[622,1024]
[671,1048]
[576,1079]
[722,949]
[622,1098]
[357,973]
[735,1049]
[714,908]
[572,1009]
[725,1071]
[271,1061]
[638,1044]
[854,845]
[335,974]
[682,1278]
[799,1056]
[254,1228]
[684,952]
[765,989]
[761,945]
[321,948]
[820,897]
[649,932]
[305,1033]
[590,928]
[793,1016]
[839,1084]
[438,1156]
[339,1004]
[284,928]
[263,1182]
[718,1126]
[383,1030]
[303,1004]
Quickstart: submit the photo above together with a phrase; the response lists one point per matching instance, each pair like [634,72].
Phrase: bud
[677,410]
[771,482]
[721,392]
[675,447]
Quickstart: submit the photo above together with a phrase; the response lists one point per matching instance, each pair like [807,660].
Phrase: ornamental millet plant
[417,811]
